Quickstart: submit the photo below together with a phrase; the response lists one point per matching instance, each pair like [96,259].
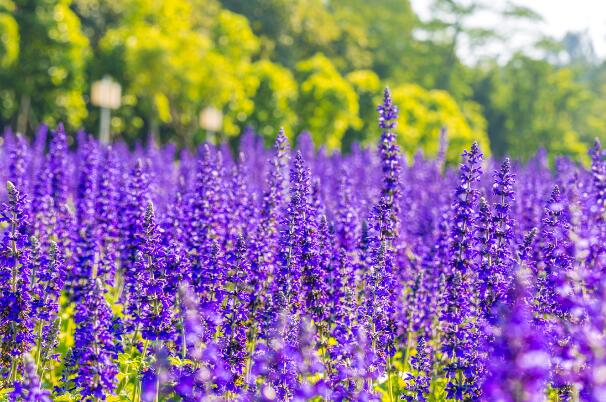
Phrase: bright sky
[559,17]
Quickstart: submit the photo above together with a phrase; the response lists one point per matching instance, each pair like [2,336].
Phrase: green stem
[127,373]
[389,384]
[145,346]
[157,398]
[13,373]
[157,348]
[134,338]
[179,307]
[184,343]
[39,348]
[324,349]
[253,344]
[124,380]
[134,396]
[406,357]
[138,385]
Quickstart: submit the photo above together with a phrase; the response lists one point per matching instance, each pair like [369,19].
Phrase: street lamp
[211,119]
[105,94]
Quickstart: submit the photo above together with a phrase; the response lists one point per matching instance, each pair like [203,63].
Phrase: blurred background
[515,77]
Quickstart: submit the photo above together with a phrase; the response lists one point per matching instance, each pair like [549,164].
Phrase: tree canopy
[305,65]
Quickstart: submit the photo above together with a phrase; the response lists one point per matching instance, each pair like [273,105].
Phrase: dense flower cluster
[149,274]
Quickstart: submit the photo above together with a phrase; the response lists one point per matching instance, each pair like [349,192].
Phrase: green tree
[389,44]
[451,30]
[290,30]
[368,89]
[45,79]
[274,98]
[9,34]
[176,63]
[327,104]
[530,103]
[423,113]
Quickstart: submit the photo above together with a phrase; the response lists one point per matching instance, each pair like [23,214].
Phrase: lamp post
[105,94]
[211,120]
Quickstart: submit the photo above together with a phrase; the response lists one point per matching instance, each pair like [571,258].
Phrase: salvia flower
[556,299]
[18,162]
[518,361]
[388,112]
[459,314]
[106,213]
[347,220]
[287,286]
[95,351]
[29,389]
[389,152]
[236,313]
[598,172]
[135,203]
[556,261]
[209,373]
[417,388]
[16,320]
[501,260]
[265,243]
[380,282]
[59,186]
[318,275]
[150,306]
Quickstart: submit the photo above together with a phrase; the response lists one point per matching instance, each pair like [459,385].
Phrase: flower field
[279,274]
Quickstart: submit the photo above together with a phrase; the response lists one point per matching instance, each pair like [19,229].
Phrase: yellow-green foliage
[9,34]
[201,62]
[368,89]
[538,105]
[43,46]
[423,113]
[274,94]
[328,104]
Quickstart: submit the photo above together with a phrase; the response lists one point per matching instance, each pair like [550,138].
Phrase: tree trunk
[23,117]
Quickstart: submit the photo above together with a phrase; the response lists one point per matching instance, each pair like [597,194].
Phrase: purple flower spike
[95,352]
[29,389]
[16,316]
[388,112]
[459,312]
[518,362]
